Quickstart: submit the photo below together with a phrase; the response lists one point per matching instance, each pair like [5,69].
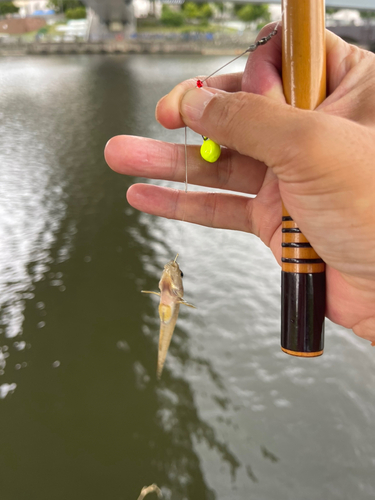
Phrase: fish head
[171,289]
[171,279]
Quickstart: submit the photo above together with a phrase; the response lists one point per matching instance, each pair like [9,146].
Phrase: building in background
[142,8]
[28,7]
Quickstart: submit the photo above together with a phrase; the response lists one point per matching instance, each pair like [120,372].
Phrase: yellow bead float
[210,150]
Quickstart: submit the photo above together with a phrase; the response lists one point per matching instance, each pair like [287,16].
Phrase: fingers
[305,149]
[350,73]
[167,109]
[141,157]
[262,74]
[341,58]
[217,210]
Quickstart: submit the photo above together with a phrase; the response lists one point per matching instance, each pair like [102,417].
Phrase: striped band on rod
[291,230]
[302,261]
[296,245]
[298,256]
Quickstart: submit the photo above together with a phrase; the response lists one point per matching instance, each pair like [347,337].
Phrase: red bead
[199,84]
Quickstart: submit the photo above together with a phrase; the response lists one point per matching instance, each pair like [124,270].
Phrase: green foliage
[65,5]
[8,8]
[249,13]
[77,13]
[191,10]
[237,7]
[367,14]
[206,11]
[200,11]
[171,17]
[331,10]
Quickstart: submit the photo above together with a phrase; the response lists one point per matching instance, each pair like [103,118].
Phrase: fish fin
[146,291]
[184,303]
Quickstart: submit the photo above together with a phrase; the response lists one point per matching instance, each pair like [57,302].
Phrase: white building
[28,7]
[143,7]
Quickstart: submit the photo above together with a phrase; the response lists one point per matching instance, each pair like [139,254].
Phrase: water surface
[81,413]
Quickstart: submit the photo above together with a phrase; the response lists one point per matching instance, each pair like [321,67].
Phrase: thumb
[272,132]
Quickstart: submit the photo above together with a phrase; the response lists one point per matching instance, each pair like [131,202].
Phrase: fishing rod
[303,289]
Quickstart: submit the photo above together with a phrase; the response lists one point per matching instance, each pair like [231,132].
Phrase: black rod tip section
[303,303]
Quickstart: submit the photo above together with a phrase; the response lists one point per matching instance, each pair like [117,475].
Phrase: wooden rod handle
[303,271]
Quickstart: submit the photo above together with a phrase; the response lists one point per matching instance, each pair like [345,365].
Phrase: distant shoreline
[123,47]
[223,45]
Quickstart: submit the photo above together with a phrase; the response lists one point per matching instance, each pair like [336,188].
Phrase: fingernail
[194,103]
[157,108]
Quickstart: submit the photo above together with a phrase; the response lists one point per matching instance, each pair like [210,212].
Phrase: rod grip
[302,314]
[303,293]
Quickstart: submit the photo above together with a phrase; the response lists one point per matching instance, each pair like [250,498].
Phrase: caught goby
[171,296]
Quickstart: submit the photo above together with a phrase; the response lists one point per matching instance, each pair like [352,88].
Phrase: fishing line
[251,48]
[186,172]
[186,186]
[210,150]
[185,193]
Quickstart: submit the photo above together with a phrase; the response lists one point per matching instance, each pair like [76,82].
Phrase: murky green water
[81,413]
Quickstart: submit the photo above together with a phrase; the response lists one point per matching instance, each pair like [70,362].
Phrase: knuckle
[176,159]
[210,209]
[229,113]
[225,170]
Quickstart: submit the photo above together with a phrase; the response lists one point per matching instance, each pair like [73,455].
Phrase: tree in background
[367,14]
[171,17]
[64,5]
[331,10]
[251,13]
[77,13]
[201,11]
[8,8]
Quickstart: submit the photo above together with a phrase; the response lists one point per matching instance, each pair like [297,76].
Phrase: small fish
[171,296]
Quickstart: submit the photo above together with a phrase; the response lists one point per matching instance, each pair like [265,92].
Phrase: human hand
[320,163]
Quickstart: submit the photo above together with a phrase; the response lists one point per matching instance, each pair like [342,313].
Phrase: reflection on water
[81,411]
